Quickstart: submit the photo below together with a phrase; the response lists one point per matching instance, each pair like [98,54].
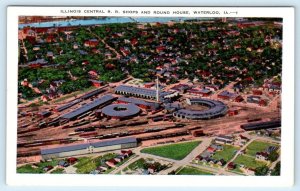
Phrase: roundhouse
[120,111]
[215,109]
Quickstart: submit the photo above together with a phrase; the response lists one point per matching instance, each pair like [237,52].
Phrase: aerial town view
[149,96]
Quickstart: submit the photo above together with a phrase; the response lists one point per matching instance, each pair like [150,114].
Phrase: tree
[261,171]
[276,170]
[273,156]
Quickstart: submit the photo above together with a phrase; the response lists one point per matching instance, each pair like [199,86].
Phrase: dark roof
[64,149]
[68,105]
[225,137]
[139,102]
[216,108]
[228,94]
[261,125]
[38,61]
[91,94]
[43,113]
[140,91]
[125,110]
[89,106]
[86,145]
[114,142]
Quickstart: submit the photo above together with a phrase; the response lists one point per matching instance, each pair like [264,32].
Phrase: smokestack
[157,90]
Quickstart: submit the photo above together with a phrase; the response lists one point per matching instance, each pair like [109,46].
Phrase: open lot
[227,153]
[38,168]
[192,171]
[257,146]
[248,161]
[173,151]
[87,164]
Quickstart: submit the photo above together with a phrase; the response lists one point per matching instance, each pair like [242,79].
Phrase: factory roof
[216,108]
[91,94]
[121,110]
[89,106]
[228,94]
[68,105]
[140,91]
[139,102]
[86,145]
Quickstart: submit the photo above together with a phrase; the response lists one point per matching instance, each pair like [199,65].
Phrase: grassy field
[38,169]
[248,161]
[87,164]
[227,153]
[137,164]
[173,151]
[192,171]
[58,171]
[257,146]
[29,169]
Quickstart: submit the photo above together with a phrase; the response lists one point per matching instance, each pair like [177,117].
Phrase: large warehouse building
[88,148]
[142,92]
[141,103]
[88,107]
[215,109]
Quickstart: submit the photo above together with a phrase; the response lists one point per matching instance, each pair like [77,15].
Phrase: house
[93,74]
[111,163]
[211,150]
[225,95]
[103,167]
[199,158]
[233,112]
[47,168]
[213,161]
[262,156]
[50,54]
[217,147]
[127,153]
[231,166]
[180,88]
[91,43]
[205,160]
[97,83]
[202,92]
[211,87]
[223,139]
[63,163]
[206,154]
[221,162]
[119,158]
[151,169]
[257,92]
[45,98]
[71,160]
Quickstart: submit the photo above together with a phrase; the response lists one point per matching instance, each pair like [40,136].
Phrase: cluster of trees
[276,170]
[201,50]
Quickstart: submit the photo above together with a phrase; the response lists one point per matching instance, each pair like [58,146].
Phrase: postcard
[107,96]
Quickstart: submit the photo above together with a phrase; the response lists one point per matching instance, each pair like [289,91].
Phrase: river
[109,20]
